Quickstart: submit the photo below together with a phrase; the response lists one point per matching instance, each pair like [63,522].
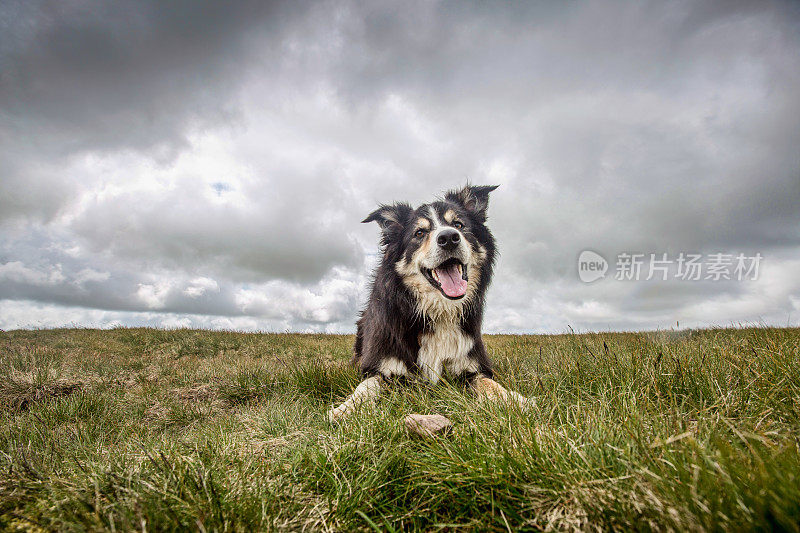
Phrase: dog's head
[441,250]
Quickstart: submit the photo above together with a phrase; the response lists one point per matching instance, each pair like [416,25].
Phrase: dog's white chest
[446,346]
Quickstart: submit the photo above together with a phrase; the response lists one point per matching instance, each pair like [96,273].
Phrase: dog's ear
[473,198]
[389,216]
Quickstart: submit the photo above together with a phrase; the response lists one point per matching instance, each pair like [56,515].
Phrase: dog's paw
[509,397]
[489,390]
[522,401]
[527,403]
[336,414]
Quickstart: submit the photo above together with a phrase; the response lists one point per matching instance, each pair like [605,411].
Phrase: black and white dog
[426,306]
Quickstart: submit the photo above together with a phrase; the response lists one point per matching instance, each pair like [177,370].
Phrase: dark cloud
[131,74]
[82,77]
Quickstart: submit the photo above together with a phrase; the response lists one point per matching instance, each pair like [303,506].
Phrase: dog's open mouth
[450,277]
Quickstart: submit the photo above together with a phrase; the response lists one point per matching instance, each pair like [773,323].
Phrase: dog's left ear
[474,198]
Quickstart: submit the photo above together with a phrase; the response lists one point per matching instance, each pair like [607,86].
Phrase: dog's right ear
[389,216]
[474,198]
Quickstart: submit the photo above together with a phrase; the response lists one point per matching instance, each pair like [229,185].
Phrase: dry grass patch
[22,391]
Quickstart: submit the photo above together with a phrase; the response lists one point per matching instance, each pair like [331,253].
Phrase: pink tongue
[452,283]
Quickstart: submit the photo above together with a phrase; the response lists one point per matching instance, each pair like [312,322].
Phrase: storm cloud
[207,164]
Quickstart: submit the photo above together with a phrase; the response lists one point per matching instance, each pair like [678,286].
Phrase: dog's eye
[419,233]
[458,225]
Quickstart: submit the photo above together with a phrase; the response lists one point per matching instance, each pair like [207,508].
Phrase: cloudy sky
[207,165]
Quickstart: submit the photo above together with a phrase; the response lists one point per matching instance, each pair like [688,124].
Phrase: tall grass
[178,429]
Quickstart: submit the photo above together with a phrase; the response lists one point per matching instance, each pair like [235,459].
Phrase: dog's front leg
[489,389]
[366,392]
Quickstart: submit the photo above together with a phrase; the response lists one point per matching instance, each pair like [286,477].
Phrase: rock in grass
[428,425]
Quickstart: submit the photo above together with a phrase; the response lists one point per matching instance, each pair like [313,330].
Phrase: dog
[425,309]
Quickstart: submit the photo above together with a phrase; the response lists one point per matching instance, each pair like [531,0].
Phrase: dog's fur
[410,326]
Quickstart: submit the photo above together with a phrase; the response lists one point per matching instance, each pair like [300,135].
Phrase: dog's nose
[448,239]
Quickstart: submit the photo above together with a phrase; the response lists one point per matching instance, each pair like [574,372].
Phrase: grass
[219,431]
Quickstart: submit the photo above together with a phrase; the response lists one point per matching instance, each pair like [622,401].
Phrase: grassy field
[217,431]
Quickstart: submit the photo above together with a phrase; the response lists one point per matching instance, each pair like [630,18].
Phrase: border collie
[425,310]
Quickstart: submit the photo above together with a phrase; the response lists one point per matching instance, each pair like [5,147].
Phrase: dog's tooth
[435,275]
[459,268]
